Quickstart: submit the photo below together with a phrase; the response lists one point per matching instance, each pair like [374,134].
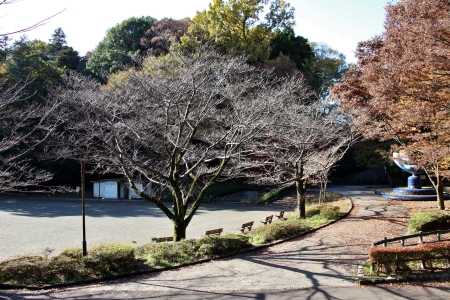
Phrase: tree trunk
[301,191]
[323,190]
[440,192]
[179,230]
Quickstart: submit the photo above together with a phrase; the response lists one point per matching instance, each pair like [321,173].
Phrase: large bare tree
[306,138]
[23,127]
[180,122]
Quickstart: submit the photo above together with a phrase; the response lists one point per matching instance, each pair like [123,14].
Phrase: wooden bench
[164,239]
[268,220]
[247,226]
[214,232]
[281,215]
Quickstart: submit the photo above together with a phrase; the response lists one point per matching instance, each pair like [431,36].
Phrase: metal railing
[419,235]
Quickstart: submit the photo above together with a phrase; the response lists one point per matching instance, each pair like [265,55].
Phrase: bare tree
[179,122]
[23,126]
[31,27]
[304,140]
[322,180]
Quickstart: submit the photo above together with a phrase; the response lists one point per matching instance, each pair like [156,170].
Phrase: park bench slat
[281,215]
[247,226]
[164,239]
[214,232]
[268,220]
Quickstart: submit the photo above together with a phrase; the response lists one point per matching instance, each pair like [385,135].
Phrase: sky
[339,23]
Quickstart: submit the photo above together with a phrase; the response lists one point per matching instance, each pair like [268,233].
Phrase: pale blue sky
[339,23]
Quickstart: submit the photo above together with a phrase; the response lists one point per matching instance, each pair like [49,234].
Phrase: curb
[411,278]
[142,272]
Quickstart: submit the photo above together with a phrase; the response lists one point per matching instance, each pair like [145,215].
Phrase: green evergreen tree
[120,46]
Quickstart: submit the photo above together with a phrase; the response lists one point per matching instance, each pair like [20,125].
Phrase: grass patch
[316,215]
[428,221]
[273,193]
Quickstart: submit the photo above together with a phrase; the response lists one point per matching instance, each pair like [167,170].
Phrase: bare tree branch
[29,28]
[181,121]
[23,126]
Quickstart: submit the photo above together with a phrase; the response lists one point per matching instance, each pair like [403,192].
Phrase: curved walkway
[320,264]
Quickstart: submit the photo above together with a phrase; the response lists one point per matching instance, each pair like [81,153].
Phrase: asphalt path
[29,226]
[318,293]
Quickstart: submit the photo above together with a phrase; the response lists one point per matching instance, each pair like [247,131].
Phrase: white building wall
[116,190]
[111,189]
[102,190]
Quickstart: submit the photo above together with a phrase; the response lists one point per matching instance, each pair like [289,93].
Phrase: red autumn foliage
[400,84]
[397,254]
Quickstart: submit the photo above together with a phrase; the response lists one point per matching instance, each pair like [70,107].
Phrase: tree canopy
[401,81]
[38,63]
[236,27]
[180,123]
[327,66]
[120,45]
[28,62]
[297,48]
[163,34]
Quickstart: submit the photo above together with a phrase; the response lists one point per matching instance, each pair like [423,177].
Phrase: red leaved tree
[401,84]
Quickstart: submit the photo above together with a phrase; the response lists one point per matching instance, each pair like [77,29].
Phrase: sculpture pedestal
[414,182]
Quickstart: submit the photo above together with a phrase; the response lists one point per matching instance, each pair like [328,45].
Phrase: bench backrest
[214,231]
[249,224]
[281,215]
[164,239]
[269,218]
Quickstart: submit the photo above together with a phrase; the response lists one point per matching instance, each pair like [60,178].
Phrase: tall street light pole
[83,208]
[98,166]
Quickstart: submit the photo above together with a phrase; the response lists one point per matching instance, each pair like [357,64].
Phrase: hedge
[396,256]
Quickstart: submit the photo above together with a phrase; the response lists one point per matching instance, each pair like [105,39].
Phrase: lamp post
[83,210]
[98,166]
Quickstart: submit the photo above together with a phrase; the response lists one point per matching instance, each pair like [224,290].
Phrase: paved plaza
[28,226]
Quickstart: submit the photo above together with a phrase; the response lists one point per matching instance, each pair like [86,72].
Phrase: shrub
[111,258]
[394,256]
[312,210]
[211,246]
[277,231]
[428,221]
[22,269]
[169,253]
[185,251]
[37,270]
[74,253]
[324,210]
[330,212]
